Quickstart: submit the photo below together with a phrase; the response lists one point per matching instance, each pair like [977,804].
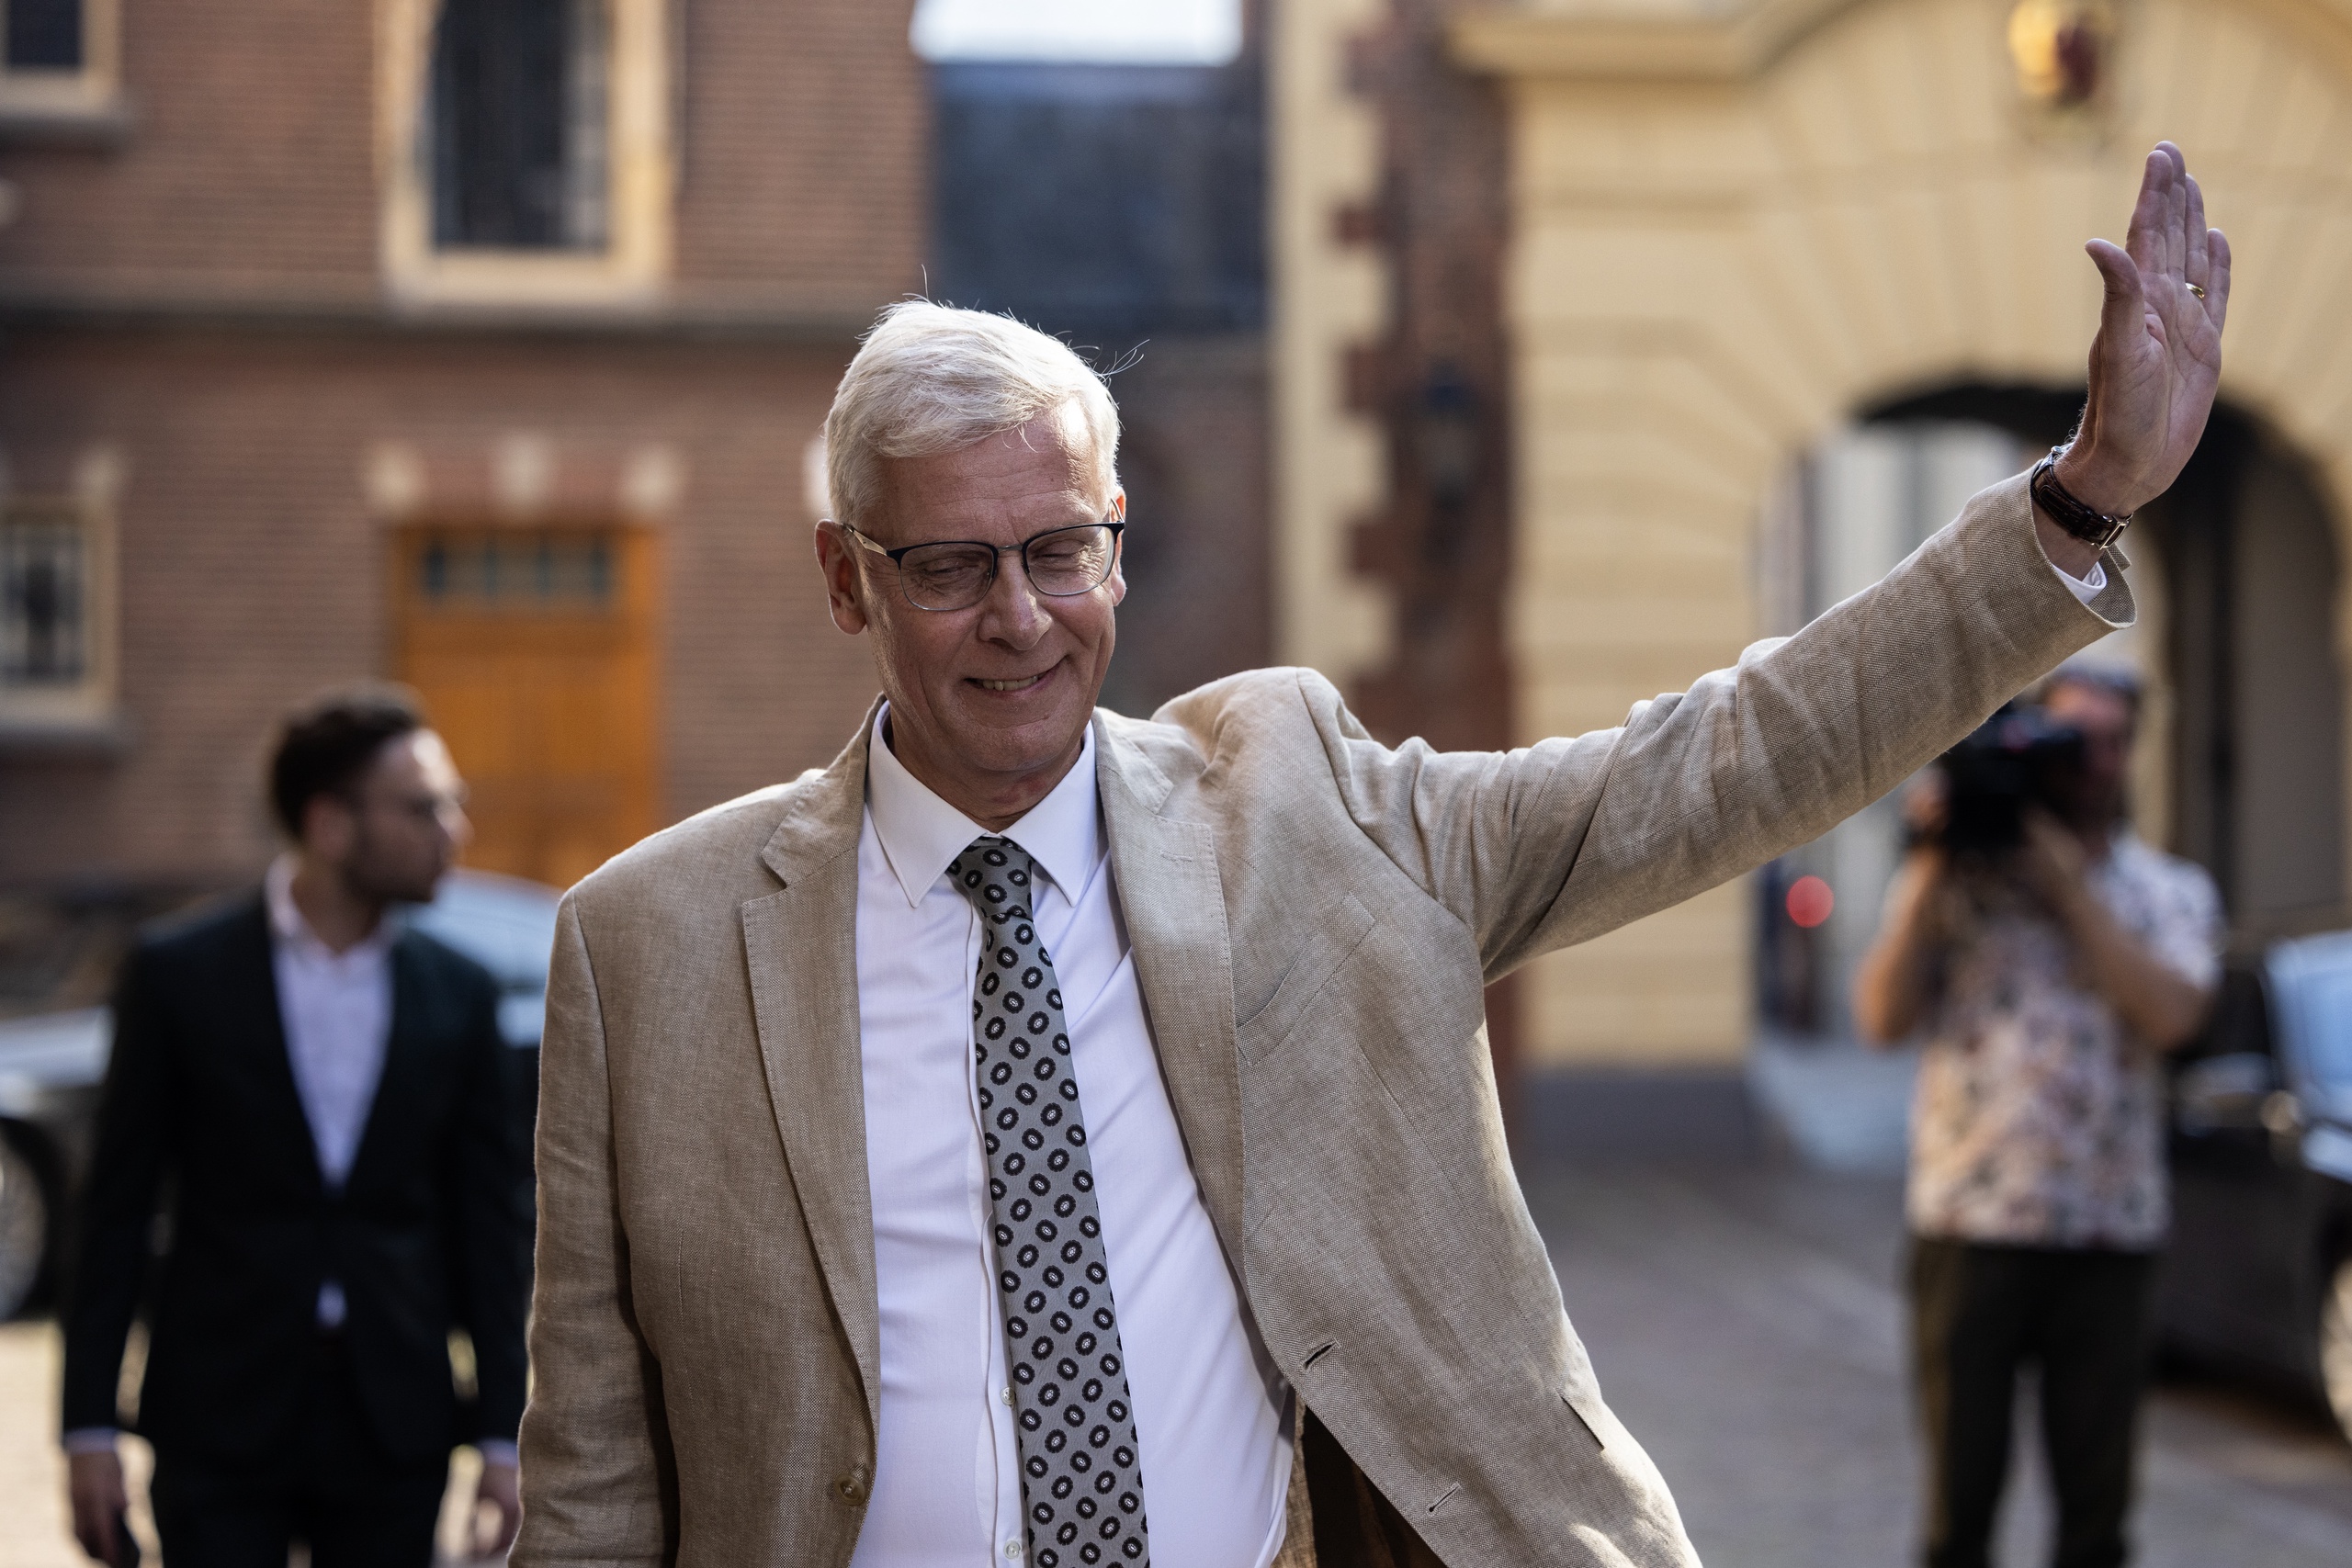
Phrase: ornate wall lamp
[2062,49]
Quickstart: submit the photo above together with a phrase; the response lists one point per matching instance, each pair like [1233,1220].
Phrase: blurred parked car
[507,926]
[2259,1272]
[53,1065]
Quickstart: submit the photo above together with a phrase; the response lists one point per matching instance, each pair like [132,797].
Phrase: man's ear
[844,589]
[1119,561]
[330,828]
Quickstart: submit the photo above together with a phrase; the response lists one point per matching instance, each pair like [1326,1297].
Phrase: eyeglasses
[425,810]
[956,574]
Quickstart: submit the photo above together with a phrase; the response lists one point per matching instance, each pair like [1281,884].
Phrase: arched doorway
[2241,758]
[1734,225]
[2238,569]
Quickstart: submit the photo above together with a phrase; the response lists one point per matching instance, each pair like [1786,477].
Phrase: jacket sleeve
[493,1221]
[120,1203]
[599,1479]
[1558,843]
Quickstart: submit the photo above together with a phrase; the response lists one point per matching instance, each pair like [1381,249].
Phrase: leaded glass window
[515,570]
[43,35]
[519,121]
[44,598]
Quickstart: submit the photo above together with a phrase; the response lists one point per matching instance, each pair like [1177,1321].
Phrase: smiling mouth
[1023,685]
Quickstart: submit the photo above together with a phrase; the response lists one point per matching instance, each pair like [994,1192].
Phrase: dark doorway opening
[2238,573]
[2244,559]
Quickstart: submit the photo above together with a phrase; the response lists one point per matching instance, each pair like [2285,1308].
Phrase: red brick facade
[197,293]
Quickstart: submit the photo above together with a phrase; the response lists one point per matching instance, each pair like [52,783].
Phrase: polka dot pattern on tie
[1082,1473]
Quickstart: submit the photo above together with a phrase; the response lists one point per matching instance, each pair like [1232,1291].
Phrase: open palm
[2156,362]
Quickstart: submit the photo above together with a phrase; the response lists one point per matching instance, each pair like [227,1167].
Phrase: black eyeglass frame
[1116,522]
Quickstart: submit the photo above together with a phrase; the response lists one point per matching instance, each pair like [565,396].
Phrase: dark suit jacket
[201,1119]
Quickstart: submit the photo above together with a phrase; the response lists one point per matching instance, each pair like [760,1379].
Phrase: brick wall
[246,171]
[252,562]
[803,158]
[253,558]
[246,166]
[144,287]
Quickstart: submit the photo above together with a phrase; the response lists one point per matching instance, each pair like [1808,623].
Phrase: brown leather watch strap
[2091,528]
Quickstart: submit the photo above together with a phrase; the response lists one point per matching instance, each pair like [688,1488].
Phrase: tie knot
[995,874]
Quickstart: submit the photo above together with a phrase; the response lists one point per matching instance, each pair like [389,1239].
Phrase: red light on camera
[1810,901]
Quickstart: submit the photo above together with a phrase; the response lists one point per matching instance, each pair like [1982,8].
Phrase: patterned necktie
[1081,1475]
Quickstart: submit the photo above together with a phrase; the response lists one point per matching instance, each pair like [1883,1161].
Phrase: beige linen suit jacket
[1314,918]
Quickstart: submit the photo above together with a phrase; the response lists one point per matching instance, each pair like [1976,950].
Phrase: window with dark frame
[43,35]
[515,570]
[44,600]
[519,123]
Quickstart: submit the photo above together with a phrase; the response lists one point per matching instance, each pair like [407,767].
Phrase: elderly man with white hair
[1045,1134]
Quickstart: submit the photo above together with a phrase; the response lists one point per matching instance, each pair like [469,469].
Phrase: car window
[2327,1006]
[2314,981]
[506,925]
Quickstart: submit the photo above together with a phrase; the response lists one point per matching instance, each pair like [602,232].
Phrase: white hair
[932,378]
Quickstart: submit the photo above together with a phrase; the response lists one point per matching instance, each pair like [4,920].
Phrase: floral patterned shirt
[2038,1119]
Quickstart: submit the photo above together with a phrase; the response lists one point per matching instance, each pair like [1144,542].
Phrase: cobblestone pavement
[1747,1326]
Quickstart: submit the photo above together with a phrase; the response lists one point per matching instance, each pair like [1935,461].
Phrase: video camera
[2017,758]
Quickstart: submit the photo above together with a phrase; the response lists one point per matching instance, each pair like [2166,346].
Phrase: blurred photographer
[2049,958]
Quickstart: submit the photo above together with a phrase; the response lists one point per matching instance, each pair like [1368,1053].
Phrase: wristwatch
[2091,528]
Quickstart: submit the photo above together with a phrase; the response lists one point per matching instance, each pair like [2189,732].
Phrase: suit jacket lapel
[264,1030]
[800,944]
[1174,899]
[402,1043]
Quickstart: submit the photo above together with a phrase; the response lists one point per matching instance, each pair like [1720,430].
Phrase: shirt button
[1008,1394]
[1012,1549]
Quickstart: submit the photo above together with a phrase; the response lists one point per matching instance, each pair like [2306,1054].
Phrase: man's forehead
[1019,476]
[419,756]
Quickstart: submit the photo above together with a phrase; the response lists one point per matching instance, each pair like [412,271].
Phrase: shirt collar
[288,926]
[920,833]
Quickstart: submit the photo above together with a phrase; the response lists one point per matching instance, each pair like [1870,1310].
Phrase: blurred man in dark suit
[313,1095]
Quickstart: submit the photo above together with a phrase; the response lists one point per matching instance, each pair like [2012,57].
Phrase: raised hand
[2157,359]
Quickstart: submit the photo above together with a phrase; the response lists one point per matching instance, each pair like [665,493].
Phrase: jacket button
[850,1488]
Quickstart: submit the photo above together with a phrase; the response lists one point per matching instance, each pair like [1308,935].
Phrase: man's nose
[1013,610]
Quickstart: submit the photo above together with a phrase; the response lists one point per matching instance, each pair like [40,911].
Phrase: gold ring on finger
[2197,289]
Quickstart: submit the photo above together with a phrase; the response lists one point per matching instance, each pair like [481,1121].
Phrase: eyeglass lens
[1060,564]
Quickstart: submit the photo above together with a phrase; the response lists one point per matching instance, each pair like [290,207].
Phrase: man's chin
[405,890]
[1046,741]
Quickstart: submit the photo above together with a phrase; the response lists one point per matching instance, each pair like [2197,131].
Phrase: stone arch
[1734,231]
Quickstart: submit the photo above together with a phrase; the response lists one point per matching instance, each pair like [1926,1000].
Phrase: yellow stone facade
[1328,296]
[1737,223]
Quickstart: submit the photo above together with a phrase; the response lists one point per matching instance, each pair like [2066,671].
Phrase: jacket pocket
[1338,931]
[1586,1410]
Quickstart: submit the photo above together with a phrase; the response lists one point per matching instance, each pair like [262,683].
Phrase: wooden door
[533,649]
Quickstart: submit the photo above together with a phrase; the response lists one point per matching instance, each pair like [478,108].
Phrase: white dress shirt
[338,1012]
[2086,588]
[1211,1411]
